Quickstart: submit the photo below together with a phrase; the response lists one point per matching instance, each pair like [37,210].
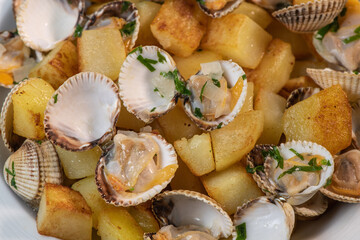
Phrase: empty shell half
[218,8]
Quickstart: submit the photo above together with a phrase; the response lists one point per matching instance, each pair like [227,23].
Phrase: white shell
[228,8]
[168,157]
[82,112]
[184,207]
[232,73]
[137,91]
[265,218]
[43,24]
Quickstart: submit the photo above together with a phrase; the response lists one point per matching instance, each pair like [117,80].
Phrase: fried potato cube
[147,13]
[189,66]
[197,153]
[324,118]
[231,188]
[256,13]
[129,121]
[144,217]
[59,65]
[117,223]
[237,37]
[273,107]
[177,28]
[232,142]
[29,103]
[102,51]
[274,70]
[63,213]
[249,100]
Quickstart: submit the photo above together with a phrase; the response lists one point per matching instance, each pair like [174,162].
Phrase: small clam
[218,92]
[313,208]
[83,112]
[149,83]
[195,214]
[218,8]
[345,184]
[118,14]
[264,218]
[28,169]
[310,16]
[43,24]
[295,170]
[134,168]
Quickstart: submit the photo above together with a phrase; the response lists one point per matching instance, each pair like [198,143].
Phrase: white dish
[17,221]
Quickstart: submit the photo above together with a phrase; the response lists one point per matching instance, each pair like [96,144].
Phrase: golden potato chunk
[147,13]
[232,142]
[59,65]
[176,27]
[324,118]
[63,213]
[249,100]
[197,153]
[102,51]
[144,217]
[274,70]
[29,103]
[231,188]
[256,13]
[237,37]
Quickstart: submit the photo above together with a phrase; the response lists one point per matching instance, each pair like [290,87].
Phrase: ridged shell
[232,73]
[313,208]
[349,82]
[248,207]
[136,89]
[300,94]
[34,165]
[356,124]
[16,5]
[121,9]
[125,199]
[85,101]
[229,7]
[311,16]
[43,24]
[212,217]
[338,197]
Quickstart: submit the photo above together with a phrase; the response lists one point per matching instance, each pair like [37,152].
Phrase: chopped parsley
[128,28]
[12,173]
[157,90]
[198,113]
[325,162]
[332,27]
[202,2]
[153,109]
[78,31]
[179,85]
[351,39]
[219,126]
[244,77]
[147,62]
[139,48]
[55,98]
[161,59]
[356,72]
[216,82]
[39,141]
[275,154]
[241,232]
[125,6]
[16,32]
[328,182]
[202,91]
[297,154]
[253,170]
[301,168]
[131,189]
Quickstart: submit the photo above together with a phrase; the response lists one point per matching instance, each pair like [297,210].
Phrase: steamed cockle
[218,8]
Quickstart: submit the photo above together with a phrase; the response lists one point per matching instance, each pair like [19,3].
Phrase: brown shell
[316,206]
[229,7]
[311,16]
[300,94]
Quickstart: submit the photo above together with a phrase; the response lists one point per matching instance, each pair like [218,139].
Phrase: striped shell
[229,7]
[313,208]
[300,94]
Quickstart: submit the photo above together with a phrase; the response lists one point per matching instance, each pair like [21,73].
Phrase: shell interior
[229,6]
[54,21]
[183,207]
[82,112]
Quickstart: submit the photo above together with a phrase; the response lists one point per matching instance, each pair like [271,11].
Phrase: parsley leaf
[153,109]
[241,232]
[275,154]
[125,6]
[139,48]
[202,2]
[161,59]
[55,98]
[325,162]
[253,170]
[131,189]
[157,90]
[128,28]
[78,31]
[179,85]
[219,126]
[297,154]
[202,91]
[351,39]
[328,182]
[38,141]
[301,168]
[198,113]
[216,82]
[147,62]
[12,173]
[244,77]
[356,72]
[333,27]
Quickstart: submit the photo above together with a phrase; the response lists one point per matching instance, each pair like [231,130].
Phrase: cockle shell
[313,208]
[300,94]
[228,7]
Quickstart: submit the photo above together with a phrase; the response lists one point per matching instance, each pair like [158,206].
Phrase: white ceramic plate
[17,221]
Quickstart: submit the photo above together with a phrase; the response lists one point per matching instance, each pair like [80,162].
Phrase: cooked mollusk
[264,218]
[82,112]
[118,14]
[28,169]
[43,24]
[149,83]
[187,209]
[134,168]
[218,92]
[313,208]
[218,8]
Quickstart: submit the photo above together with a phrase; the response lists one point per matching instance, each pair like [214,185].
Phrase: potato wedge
[249,100]
[144,217]
[147,12]
[256,13]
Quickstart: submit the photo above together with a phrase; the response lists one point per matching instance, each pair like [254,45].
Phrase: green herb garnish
[39,142]
[153,109]
[297,154]
[128,28]
[202,91]
[244,77]
[313,162]
[202,2]
[78,31]
[198,113]
[356,72]
[351,39]
[219,126]
[241,232]
[333,27]
[125,6]
[139,48]
[12,173]
[157,90]
[301,168]
[179,85]
[275,154]
[216,82]
[131,189]
[325,162]
[147,62]
[161,59]
[253,170]
[328,182]
[55,98]
[16,32]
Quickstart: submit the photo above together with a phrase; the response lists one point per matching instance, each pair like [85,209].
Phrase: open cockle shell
[167,156]
[313,208]
[120,9]
[300,94]
[184,207]
[82,112]
[34,165]
[349,81]
[232,73]
[311,16]
[229,6]
[43,24]
[138,93]
[265,218]
[355,115]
